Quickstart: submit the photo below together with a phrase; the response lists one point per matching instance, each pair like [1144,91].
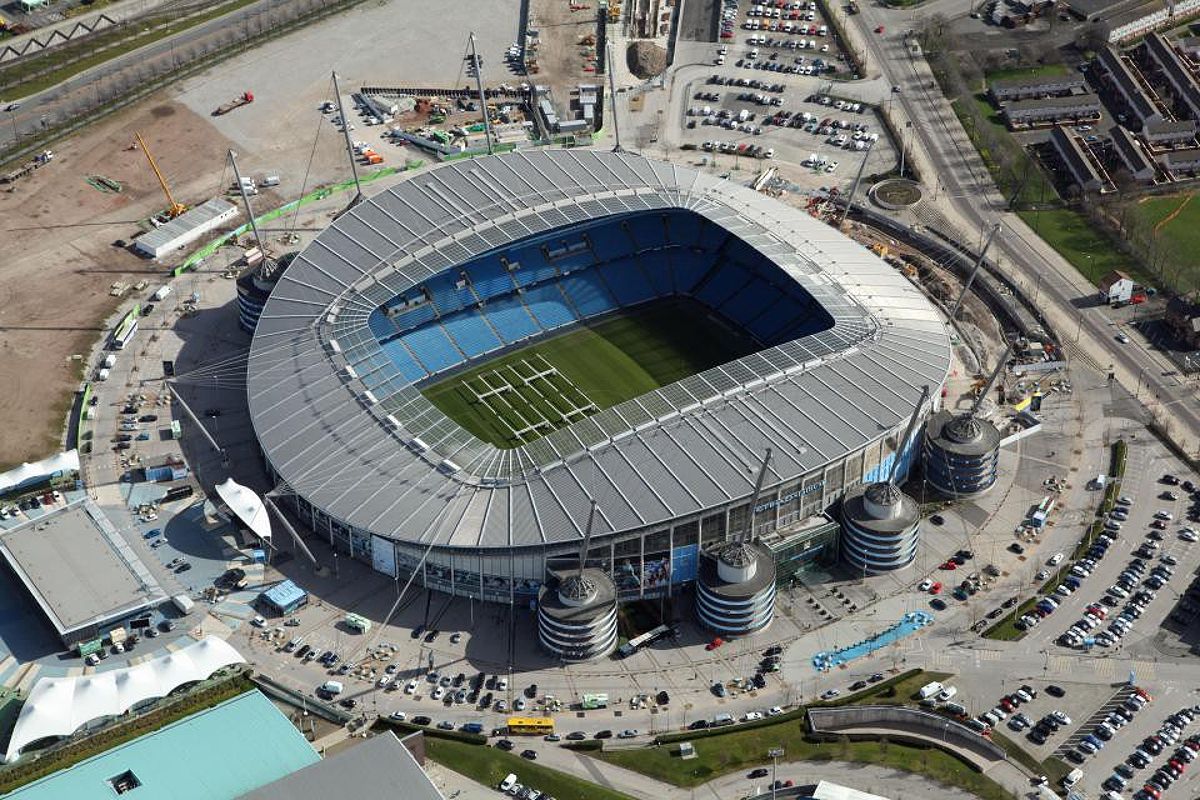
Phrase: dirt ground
[561,57]
[61,262]
[59,230]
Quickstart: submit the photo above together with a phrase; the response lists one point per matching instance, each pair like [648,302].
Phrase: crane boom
[174,209]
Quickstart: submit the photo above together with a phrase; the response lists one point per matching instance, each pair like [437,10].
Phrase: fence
[922,726]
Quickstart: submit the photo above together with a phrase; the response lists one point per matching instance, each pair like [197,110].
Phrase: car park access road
[968,204]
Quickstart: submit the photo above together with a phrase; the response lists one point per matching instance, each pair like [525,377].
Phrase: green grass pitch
[596,365]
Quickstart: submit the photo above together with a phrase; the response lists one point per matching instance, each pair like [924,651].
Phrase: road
[969,199]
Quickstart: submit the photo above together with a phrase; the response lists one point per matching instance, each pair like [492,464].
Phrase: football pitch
[523,395]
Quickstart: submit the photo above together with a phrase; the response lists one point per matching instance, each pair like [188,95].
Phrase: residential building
[1127,86]
[1182,318]
[1116,287]
[1077,161]
[1051,110]
[1007,90]
[1131,153]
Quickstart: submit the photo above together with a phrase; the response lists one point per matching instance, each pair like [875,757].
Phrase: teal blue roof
[285,594]
[217,754]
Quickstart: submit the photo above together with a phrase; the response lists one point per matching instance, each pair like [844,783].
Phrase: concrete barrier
[906,724]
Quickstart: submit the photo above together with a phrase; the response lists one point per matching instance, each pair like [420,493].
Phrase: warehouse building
[185,229]
[80,571]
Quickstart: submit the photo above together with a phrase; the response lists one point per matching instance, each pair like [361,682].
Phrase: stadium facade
[474,259]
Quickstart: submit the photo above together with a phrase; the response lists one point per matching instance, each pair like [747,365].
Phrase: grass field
[530,392]
[1181,233]
[488,766]
[737,751]
[1089,251]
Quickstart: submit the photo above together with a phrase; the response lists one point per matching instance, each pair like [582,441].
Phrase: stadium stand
[542,285]
[588,293]
[433,348]
[491,279]
[549,307]
[470,332]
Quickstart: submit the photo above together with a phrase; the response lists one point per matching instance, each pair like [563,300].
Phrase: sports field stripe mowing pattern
[588,368]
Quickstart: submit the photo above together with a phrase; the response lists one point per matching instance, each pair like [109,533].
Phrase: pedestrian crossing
[1104,667]
[1060,665]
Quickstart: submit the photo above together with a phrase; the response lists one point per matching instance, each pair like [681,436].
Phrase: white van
[1100,482]
[930,689]
[332,687]
[1073,777]
[1055,559]
[509,781]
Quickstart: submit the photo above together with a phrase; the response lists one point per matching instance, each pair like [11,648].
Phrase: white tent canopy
[61,462]
[247,506]
[60,706]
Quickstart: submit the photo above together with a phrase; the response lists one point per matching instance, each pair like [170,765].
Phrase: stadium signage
[761,507]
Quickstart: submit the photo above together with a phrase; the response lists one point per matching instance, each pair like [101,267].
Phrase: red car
[949,565]
[879,29]
[714,644]
[1152,790]
[936,588]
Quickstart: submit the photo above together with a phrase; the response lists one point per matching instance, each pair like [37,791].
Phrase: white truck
[161,293]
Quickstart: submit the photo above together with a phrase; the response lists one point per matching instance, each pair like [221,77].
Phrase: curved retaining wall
[900,723]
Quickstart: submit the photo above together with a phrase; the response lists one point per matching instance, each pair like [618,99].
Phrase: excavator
[174,209]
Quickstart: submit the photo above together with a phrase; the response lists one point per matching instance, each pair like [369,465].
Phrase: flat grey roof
[192,218]
[682,449]
[79,568]
[380,766]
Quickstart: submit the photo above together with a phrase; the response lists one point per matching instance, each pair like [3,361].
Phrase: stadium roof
[394,465]
[60,706]
[247,506]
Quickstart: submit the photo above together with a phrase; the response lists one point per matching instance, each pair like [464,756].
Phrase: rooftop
[393,465]
[78,567]
[379,767]
[217,754]
[201,214]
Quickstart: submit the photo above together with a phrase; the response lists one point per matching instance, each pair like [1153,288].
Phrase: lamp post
[775,753]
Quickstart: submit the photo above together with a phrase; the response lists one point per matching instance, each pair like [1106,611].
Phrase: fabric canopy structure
[60,706]
[47,467]
[247,506]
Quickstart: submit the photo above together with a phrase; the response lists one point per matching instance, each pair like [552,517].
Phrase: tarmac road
[965,192]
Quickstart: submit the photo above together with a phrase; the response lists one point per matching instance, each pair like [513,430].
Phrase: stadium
[451,375]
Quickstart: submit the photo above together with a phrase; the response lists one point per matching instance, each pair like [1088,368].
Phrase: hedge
[431,731]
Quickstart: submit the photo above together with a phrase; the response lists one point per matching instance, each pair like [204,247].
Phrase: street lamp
[775,753]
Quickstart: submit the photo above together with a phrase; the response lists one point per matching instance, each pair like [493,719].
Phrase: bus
[539,726]
[632,646]
[358,623]
[594,701]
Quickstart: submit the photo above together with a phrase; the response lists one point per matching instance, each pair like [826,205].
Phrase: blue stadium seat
[533,266]
[431,345]
[750,301]
[491,278]
[687,268]
[586,291]
[648,230]
[720,285]
[470,332]
[628,282]
[549,307]
[609,243]
[413,317]
[511,319]
[445,296]
[684,228]
[379,323]
[712,235]
[403,360]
